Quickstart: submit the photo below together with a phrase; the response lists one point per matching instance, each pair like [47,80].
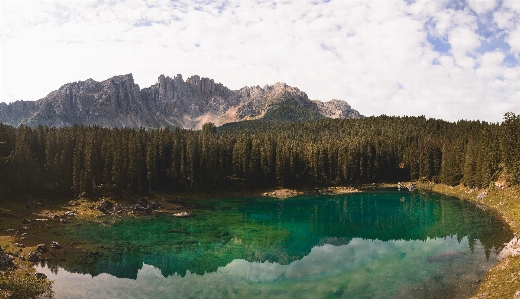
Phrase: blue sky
[453,60]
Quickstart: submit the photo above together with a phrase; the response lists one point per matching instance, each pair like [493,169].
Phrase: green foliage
[290,110]
[83,160]
[25,287]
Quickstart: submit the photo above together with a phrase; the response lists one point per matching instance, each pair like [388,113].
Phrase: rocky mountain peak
[119,102]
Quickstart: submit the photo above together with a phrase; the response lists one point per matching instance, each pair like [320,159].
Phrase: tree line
[78,160]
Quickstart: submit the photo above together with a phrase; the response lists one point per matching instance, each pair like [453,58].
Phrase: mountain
[119,102]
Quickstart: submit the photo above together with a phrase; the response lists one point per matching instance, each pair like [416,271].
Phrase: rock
[26,221]
[411,187]
[517,295]
[19,245]
[511,249]
[40,275]
[284,193]
[337,109]
[119,102]
[55,245]
[42,248]
[6,260]
[181,214]
[70,214]
[104,206]
[481,195]
[33,257]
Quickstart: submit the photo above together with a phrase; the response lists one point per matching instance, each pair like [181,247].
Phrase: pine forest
[78,160]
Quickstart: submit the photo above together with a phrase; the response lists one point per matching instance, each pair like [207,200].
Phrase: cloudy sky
[456,59]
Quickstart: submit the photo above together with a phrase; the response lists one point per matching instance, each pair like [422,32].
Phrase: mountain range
[119,102]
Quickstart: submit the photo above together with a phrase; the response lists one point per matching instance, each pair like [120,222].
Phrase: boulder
[411,187]
[481,195]
[33,257]
[42,248]
[40,275]
[70,214]
[6,260]
[104,206]
[55,245]
[511,249]
[26,221]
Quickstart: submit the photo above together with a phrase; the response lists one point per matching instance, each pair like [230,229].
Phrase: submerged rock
[445,257]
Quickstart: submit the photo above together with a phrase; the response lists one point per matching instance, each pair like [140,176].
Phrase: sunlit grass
[19,281]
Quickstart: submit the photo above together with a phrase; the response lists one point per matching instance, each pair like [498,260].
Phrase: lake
[374,244]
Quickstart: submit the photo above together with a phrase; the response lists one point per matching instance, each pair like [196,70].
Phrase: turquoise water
[380,244]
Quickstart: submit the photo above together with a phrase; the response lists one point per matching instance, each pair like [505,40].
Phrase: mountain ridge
[119,102]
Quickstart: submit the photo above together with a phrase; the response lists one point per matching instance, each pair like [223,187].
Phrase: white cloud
[358,51]
[462,41]
[504,19]
[491,65]
[513,5]
[513,39]
[482,6]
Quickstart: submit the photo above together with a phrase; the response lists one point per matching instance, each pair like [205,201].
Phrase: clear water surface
[377,244]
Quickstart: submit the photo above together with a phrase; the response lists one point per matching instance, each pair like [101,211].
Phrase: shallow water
[381,244]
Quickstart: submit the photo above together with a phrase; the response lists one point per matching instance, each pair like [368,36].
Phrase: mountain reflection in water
[224,232]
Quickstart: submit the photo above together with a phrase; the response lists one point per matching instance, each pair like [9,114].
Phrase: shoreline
[503,280]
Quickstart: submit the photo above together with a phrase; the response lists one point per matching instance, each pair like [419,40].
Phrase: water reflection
[281,232]
[361,269]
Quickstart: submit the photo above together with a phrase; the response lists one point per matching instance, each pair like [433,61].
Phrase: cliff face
[119,102]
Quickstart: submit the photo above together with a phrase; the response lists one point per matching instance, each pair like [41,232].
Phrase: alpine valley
[120,102]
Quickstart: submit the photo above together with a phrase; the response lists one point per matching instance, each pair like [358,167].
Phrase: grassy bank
[503,281]
[19,280]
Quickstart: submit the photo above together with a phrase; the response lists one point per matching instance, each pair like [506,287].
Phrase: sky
[447,59]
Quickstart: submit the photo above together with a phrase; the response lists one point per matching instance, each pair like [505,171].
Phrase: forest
[79,160]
